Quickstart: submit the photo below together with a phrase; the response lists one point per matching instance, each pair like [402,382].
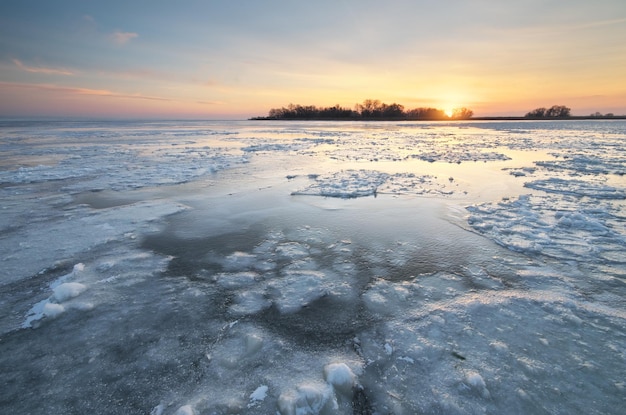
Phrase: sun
[449,112]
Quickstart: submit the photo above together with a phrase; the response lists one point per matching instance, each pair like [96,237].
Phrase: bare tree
[369,109]
[425,114]
[537,113]
[462,113]
[558,111]
[555,111]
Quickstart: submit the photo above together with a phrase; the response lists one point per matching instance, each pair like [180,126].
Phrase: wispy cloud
[79,91]
[121,38]
[41,69]
[600,23]
[210,102]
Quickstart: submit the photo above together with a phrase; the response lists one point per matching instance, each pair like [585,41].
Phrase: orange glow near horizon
[47,99]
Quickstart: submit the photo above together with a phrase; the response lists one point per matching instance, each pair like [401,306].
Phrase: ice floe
[586,231]
[586,164]
[581,188]
[362,183]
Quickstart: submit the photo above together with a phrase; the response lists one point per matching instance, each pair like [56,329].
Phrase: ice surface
[298,289]
[52,310]
[360,183]
[589,231]
[586,164]
[258,395]
[138,162]
[185,410]
[68,290]
[341,377]
[61,292]
[313,268]
[577,188]
[347,184]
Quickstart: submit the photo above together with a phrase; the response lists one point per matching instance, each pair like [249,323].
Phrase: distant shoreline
[503,118]
[570,118]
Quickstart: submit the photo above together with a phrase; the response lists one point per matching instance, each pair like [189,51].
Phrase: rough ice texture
[226,295]
[360,183]
[590,231]
[81,230]
[61,292]
[296,289]
[579,188]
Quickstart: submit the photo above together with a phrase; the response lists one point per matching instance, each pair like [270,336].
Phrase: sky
[234,59]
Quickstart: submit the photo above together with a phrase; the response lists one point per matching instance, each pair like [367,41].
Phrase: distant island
[375,110]
[370,109]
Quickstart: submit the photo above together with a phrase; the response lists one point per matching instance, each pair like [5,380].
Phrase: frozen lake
[313,267]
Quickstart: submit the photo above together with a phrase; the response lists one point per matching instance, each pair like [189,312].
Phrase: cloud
[121,38]
[78,91]
[600,23]
[39,69]
[210,102]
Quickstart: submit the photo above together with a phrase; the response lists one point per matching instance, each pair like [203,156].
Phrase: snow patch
[258,396]
[67,290]
[341,377]
[54,305]
[477,383]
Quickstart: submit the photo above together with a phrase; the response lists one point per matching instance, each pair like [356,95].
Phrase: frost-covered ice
[578,188]
[589,231]
[362,183]
[312,268]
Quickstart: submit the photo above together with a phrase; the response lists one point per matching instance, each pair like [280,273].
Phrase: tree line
[555,111]
[561,111]
[370,109]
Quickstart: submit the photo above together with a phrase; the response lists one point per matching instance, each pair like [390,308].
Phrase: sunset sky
[233,59]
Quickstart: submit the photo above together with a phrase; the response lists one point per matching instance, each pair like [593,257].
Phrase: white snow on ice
[258,395]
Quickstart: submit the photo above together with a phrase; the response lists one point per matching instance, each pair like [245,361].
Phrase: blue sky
[235,59]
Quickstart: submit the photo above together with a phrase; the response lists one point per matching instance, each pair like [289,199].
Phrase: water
[313,267]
